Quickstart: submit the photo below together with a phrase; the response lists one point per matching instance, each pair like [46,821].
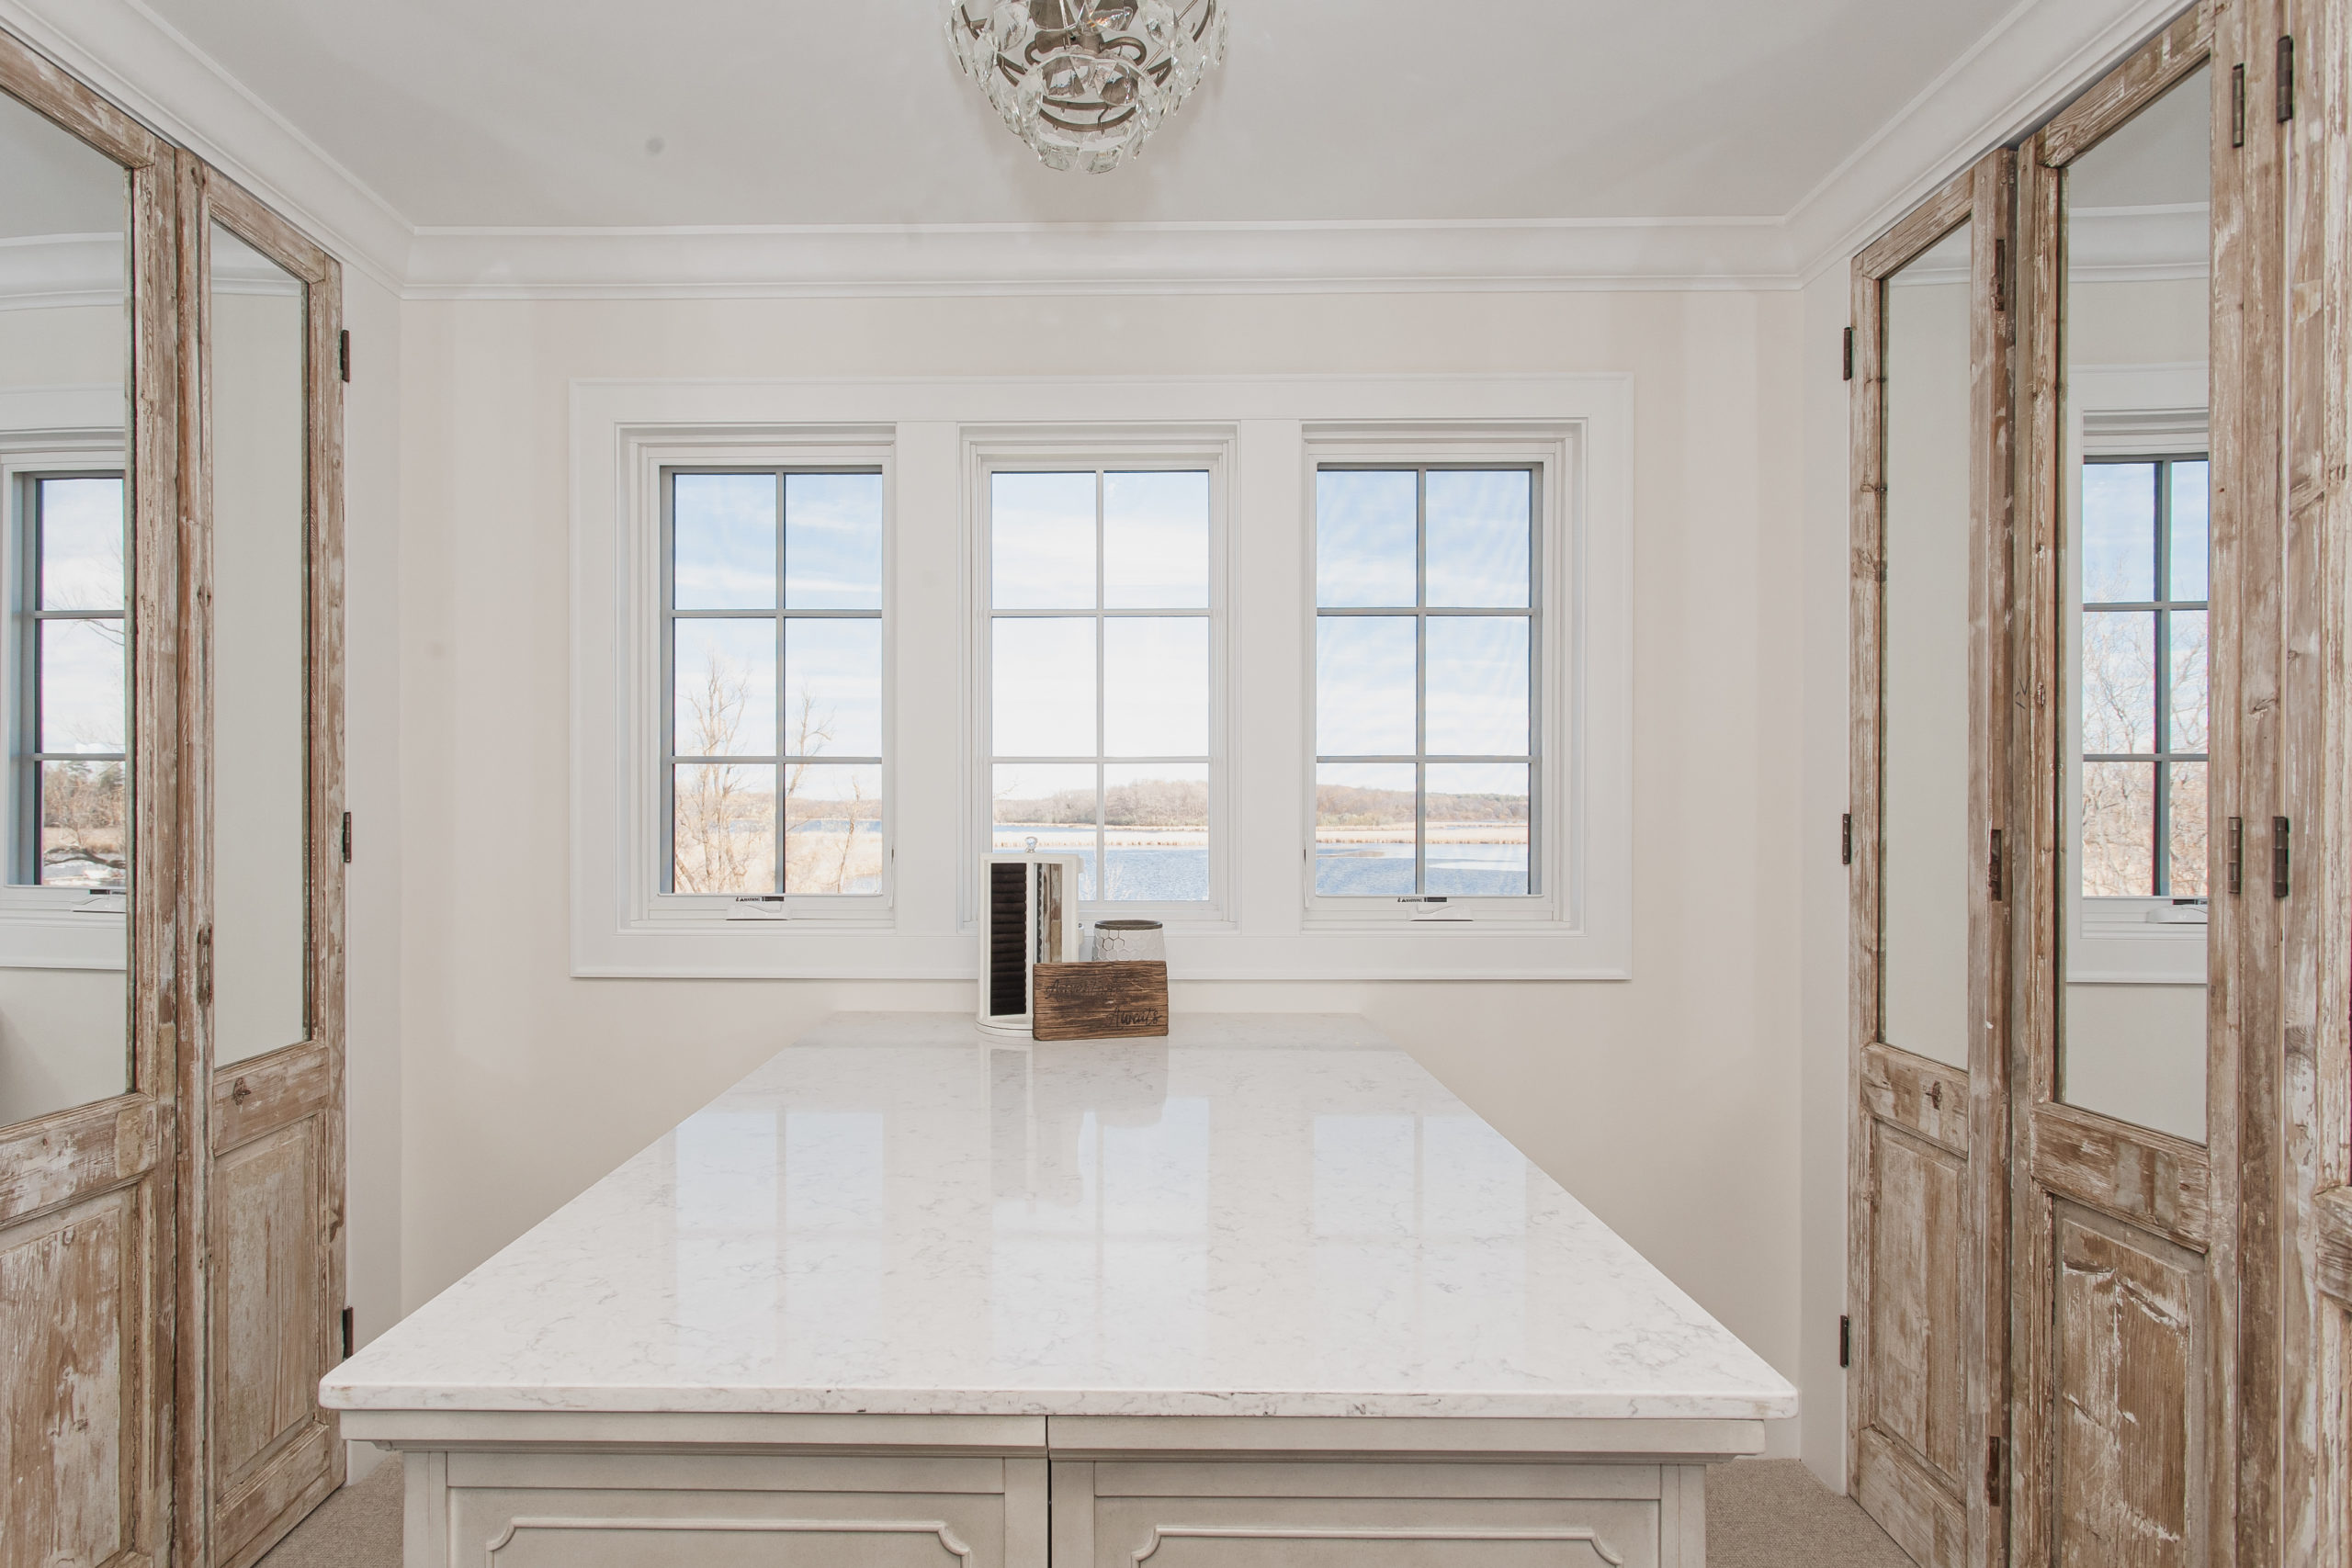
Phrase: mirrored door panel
[260,654]
[1926,844]
[2138,616]
[64,511]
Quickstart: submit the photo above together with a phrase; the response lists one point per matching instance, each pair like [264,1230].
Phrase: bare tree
[723,843]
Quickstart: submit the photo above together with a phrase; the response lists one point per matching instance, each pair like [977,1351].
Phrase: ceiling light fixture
[1085,82]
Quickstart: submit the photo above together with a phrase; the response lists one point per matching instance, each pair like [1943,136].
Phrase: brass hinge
[1993,868]
[1993,1473]
[204,967]
[346,1334]
[342,353]
[346,837]
[2237,855]
[1846,841]
[2237,105]
[2286,80]
[1845,1341]
[2000,276]
[2277,857]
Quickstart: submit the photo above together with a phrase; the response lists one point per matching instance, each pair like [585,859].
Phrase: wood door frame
[130,1140]
[216,1118]
[1887,1084]
[2314,1202]
[2182,1192]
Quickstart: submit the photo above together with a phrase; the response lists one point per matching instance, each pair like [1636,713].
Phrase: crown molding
[1109,258]
[2040,54]
[2033,60]
[155,75]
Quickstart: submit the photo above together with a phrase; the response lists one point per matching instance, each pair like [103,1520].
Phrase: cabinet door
[88,573]
[1931,538]
[268,881]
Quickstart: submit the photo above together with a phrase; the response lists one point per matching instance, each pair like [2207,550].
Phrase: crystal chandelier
[1085,82]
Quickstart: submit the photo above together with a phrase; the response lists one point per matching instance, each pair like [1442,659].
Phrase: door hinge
[2000,276]
[2286,80]
[346,837]
[2277,857]
[1846,841]
[204,967]
[1849,353]
[343,352]
[1845,1341]
[1993,1473]
[2237,855]
[1993,868]
[2237,105]
[346,1334]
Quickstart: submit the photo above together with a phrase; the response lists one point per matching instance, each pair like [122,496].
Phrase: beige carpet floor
[1760,1513]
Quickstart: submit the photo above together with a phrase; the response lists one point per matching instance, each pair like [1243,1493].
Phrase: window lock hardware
[2277,857]
[1845,1340]
[1849,353]
[2286,79]
[1993,868]
[2237,856]
[2237,105]
[1845,840]
[343,352]
[346,837]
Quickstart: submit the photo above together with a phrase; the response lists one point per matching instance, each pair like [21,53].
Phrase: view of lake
[1179,873]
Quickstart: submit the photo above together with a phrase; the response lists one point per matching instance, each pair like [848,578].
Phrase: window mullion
[1420,680]
[782,804]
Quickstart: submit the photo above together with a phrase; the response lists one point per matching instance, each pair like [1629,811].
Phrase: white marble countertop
[1260,1216]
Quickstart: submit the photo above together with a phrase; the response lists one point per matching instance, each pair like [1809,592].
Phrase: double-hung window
[2144,554]
[1098,647]
[1428,639]
[69,799]
[772,654]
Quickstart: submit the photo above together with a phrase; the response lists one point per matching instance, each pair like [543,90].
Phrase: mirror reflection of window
[1927,853]
[65,508]
[2137,308]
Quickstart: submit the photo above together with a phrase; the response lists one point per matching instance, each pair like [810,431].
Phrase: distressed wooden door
[2151,849]
[1931,553]
[265,1091]
[88,1005]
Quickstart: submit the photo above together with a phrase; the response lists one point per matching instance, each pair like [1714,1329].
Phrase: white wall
[1668,1103]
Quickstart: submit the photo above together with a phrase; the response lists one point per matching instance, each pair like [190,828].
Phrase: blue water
[1148,874]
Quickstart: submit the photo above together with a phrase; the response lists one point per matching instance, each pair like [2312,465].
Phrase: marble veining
[899,1214]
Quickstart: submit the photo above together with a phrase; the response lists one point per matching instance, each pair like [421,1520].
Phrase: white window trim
[50,928]
[932,429]
[1029,449]
[2117,411]
[1557,851]
[655,457]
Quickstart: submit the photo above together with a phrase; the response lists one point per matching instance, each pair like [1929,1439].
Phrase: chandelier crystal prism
[1086,82]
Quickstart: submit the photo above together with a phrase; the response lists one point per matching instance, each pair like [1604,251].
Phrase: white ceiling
[540,113]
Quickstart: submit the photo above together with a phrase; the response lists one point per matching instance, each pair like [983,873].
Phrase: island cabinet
[1260,1292]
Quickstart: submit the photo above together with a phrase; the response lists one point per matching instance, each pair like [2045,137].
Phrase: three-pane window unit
[772,643]
[2146,549]
[1427,636]
[69,800]
[1100,675]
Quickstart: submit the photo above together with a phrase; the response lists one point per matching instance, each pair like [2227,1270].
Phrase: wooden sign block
[1099,1001]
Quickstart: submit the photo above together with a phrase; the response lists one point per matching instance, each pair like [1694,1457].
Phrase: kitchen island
[1260,1293]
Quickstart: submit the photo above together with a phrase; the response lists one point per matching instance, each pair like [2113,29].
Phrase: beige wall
[1669,1103]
